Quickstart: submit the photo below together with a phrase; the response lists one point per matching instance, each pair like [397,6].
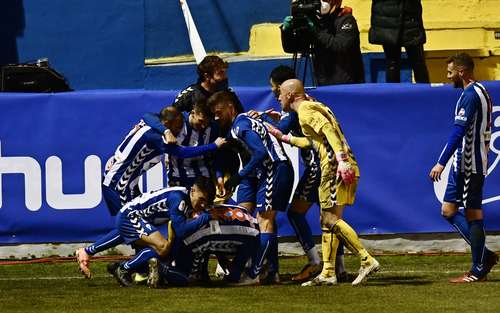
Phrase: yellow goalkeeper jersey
[323,132]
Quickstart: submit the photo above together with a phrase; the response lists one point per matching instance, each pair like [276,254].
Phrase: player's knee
[448,210]
[328,220]
[164,248]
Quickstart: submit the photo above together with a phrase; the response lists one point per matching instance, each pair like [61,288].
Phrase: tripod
[307,57]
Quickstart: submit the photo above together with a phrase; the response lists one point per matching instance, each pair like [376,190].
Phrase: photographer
[332,37]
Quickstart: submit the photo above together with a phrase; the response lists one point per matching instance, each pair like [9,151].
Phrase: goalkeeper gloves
[344,168]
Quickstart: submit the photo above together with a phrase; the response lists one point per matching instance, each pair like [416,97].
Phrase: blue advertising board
[53,148]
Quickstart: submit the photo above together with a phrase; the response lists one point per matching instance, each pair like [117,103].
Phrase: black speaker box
[32,78]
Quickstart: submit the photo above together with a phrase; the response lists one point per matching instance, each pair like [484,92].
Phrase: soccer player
[135,225]
[306,192]
[265,182]
[198,129]
[212,77]
[339,178]
[139,151]
[231,232]
[469,145]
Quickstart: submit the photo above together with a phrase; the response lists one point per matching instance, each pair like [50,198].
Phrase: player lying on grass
[135,225]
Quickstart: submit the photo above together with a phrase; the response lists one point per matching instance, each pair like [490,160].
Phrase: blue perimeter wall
[396,131]
[103,44]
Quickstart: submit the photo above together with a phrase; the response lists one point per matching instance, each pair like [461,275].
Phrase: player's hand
[220,142]
[231,184]
[274,131]
[275,115]
[435,173]
[344,168]
[221,191]
[169,137]
[254,114]
[287,22]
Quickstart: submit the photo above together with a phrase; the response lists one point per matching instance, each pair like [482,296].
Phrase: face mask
[222,85]
[325,8]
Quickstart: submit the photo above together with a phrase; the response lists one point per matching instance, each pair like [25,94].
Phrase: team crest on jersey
[461,112]
[182,206]
[347,26]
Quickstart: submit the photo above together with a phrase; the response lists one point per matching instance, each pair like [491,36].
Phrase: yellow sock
[329,244]
[351,240]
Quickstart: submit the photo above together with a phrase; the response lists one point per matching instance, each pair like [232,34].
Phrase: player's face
[199,199]
[224,114]
[275,88]
[175,126]
[198,121]
[219,79]
[453,74]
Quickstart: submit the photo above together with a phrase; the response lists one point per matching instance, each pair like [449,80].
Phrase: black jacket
[186,99]
[397,22]
[336,48]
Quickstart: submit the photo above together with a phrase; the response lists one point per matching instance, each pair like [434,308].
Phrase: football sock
[110,240]
[141,259]
[339,261]
[351,240]
[172,275]
[272,255]
[329,244]
[302,229]
[462,226]
[477,239]
[460,223]
[313,256]
[258,260]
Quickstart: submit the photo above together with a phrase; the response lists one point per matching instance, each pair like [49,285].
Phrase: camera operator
[333,39]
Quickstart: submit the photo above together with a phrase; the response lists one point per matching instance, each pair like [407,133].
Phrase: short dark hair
[209,65]
[169,113]
[281,73]
[206,185]
[462,59]
[201,107]
[225,97]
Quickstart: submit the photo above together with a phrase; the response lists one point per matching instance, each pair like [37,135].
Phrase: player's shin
[329,244]
[350,239]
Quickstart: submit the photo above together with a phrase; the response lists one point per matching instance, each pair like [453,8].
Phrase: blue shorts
[132,227]
[468,195]
[307,188]
[271,189]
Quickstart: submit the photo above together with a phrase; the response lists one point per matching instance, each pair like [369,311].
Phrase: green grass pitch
[404,284]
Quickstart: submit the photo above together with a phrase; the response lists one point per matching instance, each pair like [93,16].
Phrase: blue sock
[172,275]
[272,255]
[302,229]
[340,249]
[110,240]
[258,259]
[460,223]
[141,259]
[477,239]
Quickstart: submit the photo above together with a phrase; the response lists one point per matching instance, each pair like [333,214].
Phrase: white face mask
[325,8]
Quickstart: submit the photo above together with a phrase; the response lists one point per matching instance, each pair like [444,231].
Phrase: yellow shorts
[333,191]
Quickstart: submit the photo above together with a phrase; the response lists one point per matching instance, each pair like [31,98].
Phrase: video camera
[298,38]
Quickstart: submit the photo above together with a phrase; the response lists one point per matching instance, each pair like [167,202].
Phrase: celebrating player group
[212,148]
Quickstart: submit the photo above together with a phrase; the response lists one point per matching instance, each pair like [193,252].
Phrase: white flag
[194,37]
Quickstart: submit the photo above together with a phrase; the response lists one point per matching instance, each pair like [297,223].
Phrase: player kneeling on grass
[231,232]
[134,225]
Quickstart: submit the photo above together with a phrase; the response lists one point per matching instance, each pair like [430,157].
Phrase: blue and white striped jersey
[139,151]
[289,123]
[473,111]
[181,169]
[159,204]
[260,143]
